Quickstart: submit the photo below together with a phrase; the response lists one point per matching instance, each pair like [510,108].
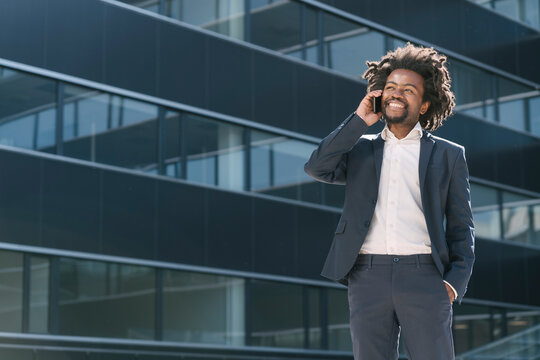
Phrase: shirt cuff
[454,290]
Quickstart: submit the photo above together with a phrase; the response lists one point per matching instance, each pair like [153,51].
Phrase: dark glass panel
[201,308]
[222,16]
[314,319]
[27,110]
[347,45]
[516,217]
[11,291]
[215,152]
[276,315]
[486,211]
[109,128]
[39,294]
[339,333]
[106,299]
[277,25]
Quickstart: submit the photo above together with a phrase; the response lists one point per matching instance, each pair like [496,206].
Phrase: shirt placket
[393,195]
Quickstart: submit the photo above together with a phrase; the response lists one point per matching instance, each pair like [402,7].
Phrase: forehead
[403,76]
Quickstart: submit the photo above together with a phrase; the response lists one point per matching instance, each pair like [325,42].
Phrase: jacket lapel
[426,146]
[378,147]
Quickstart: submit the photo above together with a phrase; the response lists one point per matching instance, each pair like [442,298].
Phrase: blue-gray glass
[474,326]
[11,291]
[203,308]
[512,113]
[276,315]
[314,321]
[520,320]
[27,111]
[277,167]
[215,152]
[536,224]
[534,115]
[277,25]
[516,217]
[173,144]
[532,13]
[109,129]
[222,16]
[106,299]
[339,333]
[486,211]
[508,7]
[473,89]
[347,45]
[39,294]
[151,5]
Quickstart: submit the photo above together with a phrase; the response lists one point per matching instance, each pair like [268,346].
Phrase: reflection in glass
[536,224]
[222,16]
[27,111]
[486,211]
[347,45]
[515,217]
[11,278]
[201,308]
[534,114]
[339,333]
[475,326]
[277,167]
[39,294]
[277,315]
[314,321]
[106,299]
[215,152]
[276,25]
[473,89]
[109,128]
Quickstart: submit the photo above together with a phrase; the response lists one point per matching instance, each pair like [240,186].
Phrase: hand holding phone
[370,109]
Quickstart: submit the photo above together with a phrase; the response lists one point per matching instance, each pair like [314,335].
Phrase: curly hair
[431,66]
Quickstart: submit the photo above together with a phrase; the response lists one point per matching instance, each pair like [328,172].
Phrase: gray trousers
[388,293]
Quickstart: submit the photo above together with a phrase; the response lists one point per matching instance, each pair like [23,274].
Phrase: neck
[401,130]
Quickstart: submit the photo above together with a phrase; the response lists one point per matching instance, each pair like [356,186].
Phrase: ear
[424,107]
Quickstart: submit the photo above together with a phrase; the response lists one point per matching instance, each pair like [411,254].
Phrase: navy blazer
[344,157]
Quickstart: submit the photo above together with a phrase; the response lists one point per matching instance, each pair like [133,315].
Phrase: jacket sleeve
[459,227]
[328,163]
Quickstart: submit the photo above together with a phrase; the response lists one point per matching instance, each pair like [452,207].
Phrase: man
[404,244]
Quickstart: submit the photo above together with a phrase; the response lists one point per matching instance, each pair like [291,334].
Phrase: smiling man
[404,244]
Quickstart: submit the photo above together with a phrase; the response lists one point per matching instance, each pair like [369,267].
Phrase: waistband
[376,259]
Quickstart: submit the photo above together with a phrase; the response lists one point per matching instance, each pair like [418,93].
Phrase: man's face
[402,97]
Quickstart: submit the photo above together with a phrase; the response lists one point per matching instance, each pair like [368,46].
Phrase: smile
[395,105]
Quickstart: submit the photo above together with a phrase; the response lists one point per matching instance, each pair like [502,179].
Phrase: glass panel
[173,144]
[339,333]
[532,13]
[106,299]
[314,321]
[276,315]
[11,278]
[39,294]
[276,25]
[511,103]
[534,114]
[475,326]
[515,217]
[519,320]
[109,128]
[536,225]
[486,211]
[215,152]
[277,167]
[473,89]
[203,308]
[27,111]
[151,5]
[347,46]
[222,16]
[508,7]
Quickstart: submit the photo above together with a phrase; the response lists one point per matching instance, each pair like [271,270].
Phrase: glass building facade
[153,202]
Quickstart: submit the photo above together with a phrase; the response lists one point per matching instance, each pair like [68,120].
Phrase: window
[11,294]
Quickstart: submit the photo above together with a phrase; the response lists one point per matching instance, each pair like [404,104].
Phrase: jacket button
[366,223]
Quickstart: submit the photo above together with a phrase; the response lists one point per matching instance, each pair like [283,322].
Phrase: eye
[409,90]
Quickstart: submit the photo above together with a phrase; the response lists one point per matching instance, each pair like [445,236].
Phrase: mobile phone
[377,104]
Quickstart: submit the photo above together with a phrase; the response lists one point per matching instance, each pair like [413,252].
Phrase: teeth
[396,105]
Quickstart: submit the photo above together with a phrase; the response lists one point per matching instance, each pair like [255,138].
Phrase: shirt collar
[414,134]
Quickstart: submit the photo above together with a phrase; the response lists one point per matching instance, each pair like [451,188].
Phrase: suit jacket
[344,157]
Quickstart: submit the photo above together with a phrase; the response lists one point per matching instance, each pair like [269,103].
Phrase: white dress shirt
[398,226]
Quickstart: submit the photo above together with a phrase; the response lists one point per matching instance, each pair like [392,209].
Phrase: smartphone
[377,104]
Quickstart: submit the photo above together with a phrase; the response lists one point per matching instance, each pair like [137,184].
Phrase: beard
[395,119]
